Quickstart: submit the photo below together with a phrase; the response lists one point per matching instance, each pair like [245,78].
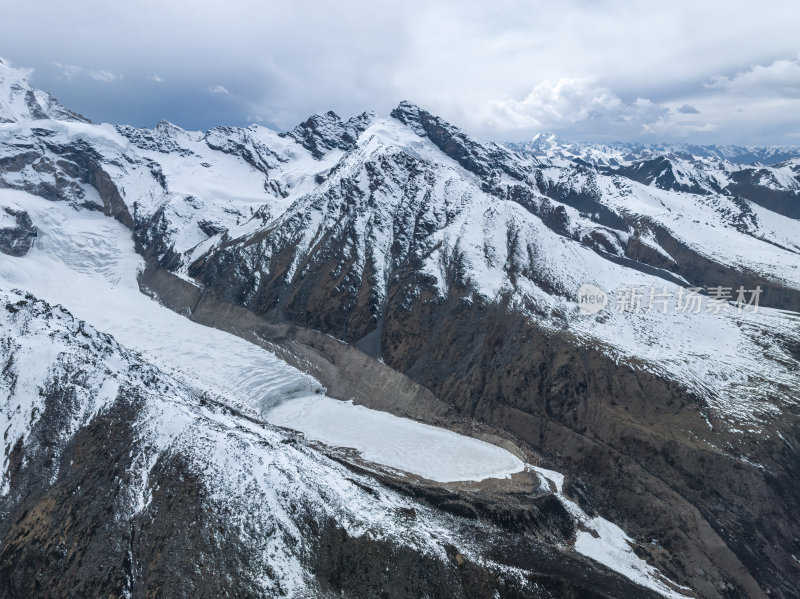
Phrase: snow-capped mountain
[440,283]
[549,145]
[765,176]
[21,102]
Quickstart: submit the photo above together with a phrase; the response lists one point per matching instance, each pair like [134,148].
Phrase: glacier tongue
[87,263]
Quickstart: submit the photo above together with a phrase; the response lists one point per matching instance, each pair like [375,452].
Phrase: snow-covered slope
[257,211]
[764,176]
[191,377]
[275,492]
[396,203]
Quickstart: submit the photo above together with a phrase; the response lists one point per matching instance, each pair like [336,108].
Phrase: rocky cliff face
[411,267]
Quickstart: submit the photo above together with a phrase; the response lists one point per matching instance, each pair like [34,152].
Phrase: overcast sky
[697,71]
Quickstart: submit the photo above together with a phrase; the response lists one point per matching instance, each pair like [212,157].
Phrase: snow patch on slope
[607,543]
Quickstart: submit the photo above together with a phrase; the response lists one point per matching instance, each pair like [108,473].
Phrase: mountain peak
[321,133]
[166,128]
[20,102]
[410,115]
[545,137]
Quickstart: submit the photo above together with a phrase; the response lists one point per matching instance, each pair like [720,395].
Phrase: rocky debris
[18,239]
[620,434]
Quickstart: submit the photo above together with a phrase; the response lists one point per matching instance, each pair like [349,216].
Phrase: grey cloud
[459,59]
[687,109]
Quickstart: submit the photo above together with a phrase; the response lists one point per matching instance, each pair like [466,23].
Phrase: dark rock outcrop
[628,429]
[17,240]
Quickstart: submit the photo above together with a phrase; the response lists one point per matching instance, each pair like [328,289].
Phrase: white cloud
[760,104]
[104,76]
[571,104]
[672,128]
[781,78]
[156,78]
[69,71]
[218,89]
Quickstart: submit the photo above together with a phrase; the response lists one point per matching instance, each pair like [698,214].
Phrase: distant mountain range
[548,145]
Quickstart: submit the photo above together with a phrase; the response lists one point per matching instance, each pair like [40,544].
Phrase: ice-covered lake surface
[87,263]
[431,452]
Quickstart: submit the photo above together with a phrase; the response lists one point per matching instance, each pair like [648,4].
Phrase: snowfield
[607,543]
[249,471]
